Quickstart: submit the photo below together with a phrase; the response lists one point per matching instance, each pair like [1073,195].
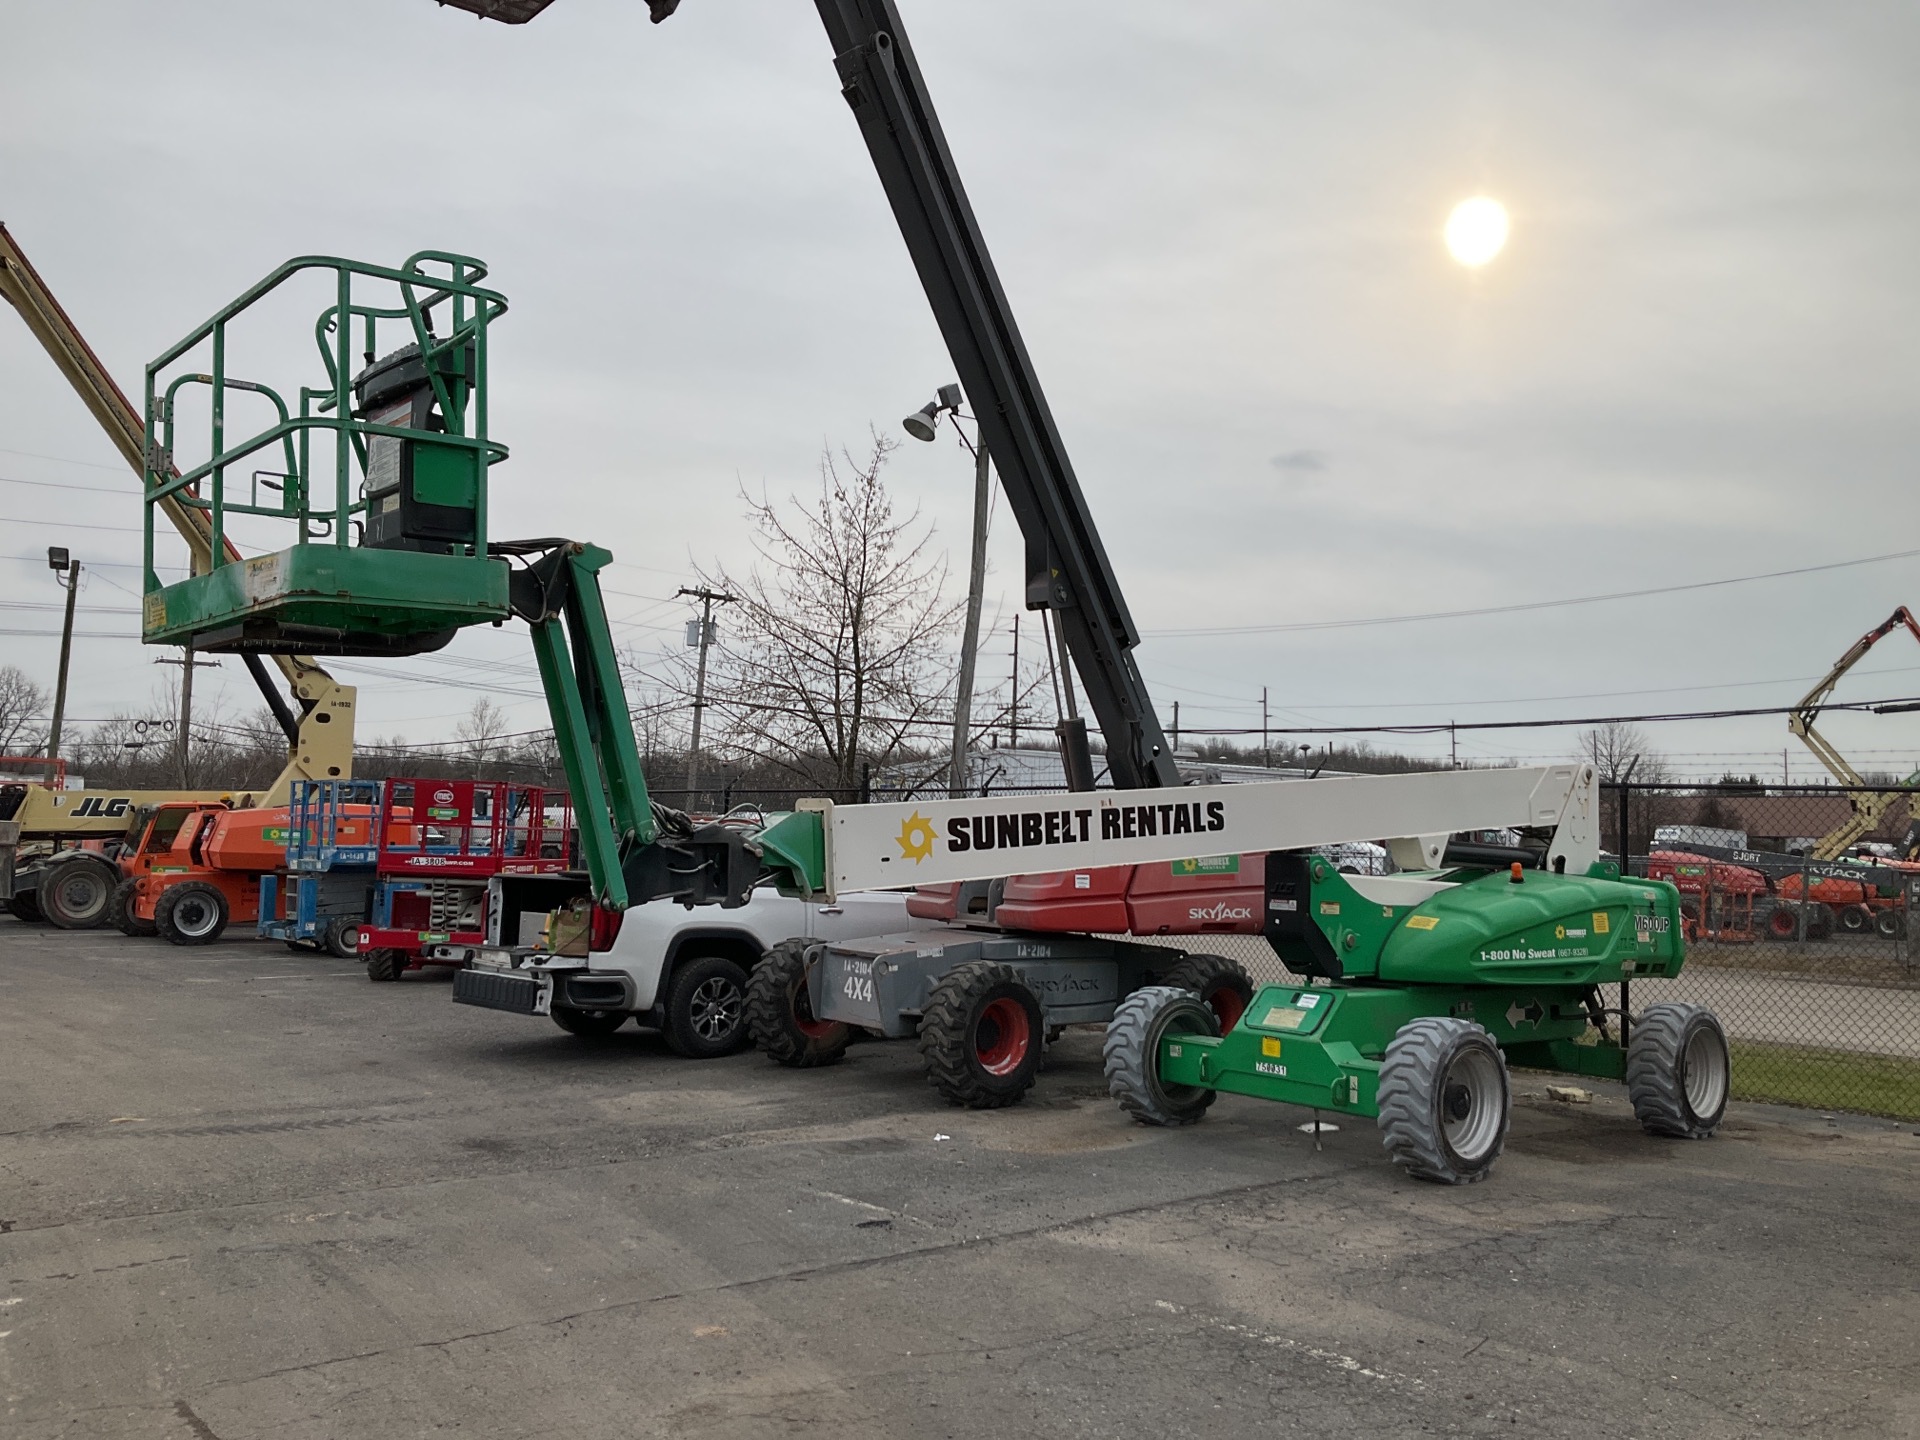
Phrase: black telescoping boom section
[1067,567]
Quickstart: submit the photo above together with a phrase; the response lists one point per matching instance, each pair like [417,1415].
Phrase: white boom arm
[871,847]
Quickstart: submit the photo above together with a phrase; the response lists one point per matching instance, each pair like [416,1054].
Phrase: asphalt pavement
[245,1193]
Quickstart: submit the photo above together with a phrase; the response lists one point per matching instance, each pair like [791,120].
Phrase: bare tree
[837,652]
[23,710]
[1619,750]
[481,733]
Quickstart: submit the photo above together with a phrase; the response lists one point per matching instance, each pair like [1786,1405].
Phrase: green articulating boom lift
[1424,982]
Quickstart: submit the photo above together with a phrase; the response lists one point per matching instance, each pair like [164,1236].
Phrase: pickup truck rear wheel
[707,1008]
[780,1014]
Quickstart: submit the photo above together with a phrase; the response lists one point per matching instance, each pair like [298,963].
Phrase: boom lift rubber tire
[589,1024]
[1224,984]
[120,912]
[190,913]
[342,938]
[1445,1100]
[706,1008]
[1132,1053]
[982,1036]
[1819,921]
[1855,920]
[1890,924]
[1678,1071]
[25,906]
[76,894]
[384,965]
[780,1012]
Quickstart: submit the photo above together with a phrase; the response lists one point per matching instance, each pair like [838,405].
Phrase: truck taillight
[604,927]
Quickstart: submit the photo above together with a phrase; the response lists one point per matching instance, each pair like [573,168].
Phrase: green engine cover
[1472,928]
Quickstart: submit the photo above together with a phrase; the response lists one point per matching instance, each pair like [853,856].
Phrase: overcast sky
[1219,225]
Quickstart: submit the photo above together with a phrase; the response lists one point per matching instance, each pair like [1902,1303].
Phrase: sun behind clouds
[1476,231]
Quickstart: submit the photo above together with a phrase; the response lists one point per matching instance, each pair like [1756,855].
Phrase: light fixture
[923,422]
[58,558]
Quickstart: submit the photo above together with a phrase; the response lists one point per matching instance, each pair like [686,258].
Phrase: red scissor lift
[440,842]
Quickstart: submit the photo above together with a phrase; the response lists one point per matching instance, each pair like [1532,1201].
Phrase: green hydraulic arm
[558,595]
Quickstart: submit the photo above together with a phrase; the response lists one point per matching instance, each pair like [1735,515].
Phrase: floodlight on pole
[922,424]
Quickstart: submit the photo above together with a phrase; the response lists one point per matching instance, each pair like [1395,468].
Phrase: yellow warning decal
[1422,922]
[1269,1045]
[1599,922]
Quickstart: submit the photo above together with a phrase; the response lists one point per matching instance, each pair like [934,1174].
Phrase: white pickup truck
[680,971]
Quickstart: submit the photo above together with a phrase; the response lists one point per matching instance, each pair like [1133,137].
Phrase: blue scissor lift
[324,898]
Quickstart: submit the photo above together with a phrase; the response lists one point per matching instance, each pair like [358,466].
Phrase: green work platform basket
[389,552]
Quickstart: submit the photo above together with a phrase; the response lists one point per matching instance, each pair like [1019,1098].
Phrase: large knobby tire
[77,894]
[706,1008]
[780,1010]
[120,911]
[384,965]
[1224,984]
[982,1036]
[25,906]
[342,938]
[592,1024]
[1678,1071]
[1855,920]
[1784,923]
[190,913]
[1891,924]
[1132,1054]
[1444,1100]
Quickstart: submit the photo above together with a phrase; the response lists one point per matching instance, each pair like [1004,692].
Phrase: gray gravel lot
[245,1193]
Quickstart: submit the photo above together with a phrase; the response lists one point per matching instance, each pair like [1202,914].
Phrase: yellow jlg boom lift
[43,872]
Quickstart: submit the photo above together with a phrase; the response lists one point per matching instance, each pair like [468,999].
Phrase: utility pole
[1453,745]
[1013,708]
[1176,725]
[1266,745]
[62,564]
[970,636]
[187,665]
[708,599]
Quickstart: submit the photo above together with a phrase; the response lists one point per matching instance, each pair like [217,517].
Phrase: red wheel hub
[1227,1005]
[1002,1036]
[803,1015]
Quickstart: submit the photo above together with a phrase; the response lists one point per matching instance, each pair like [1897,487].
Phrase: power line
[1526,605]
[123,492]
[1443,727]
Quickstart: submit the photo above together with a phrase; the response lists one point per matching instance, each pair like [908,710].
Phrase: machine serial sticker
[1599,922]
[1270,1046]
[1329,907]
[1173,1052]
[1307,1001]
[1083,882]
[1286,905]
[1288,1019]
[1422,922]
[1267,1067]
